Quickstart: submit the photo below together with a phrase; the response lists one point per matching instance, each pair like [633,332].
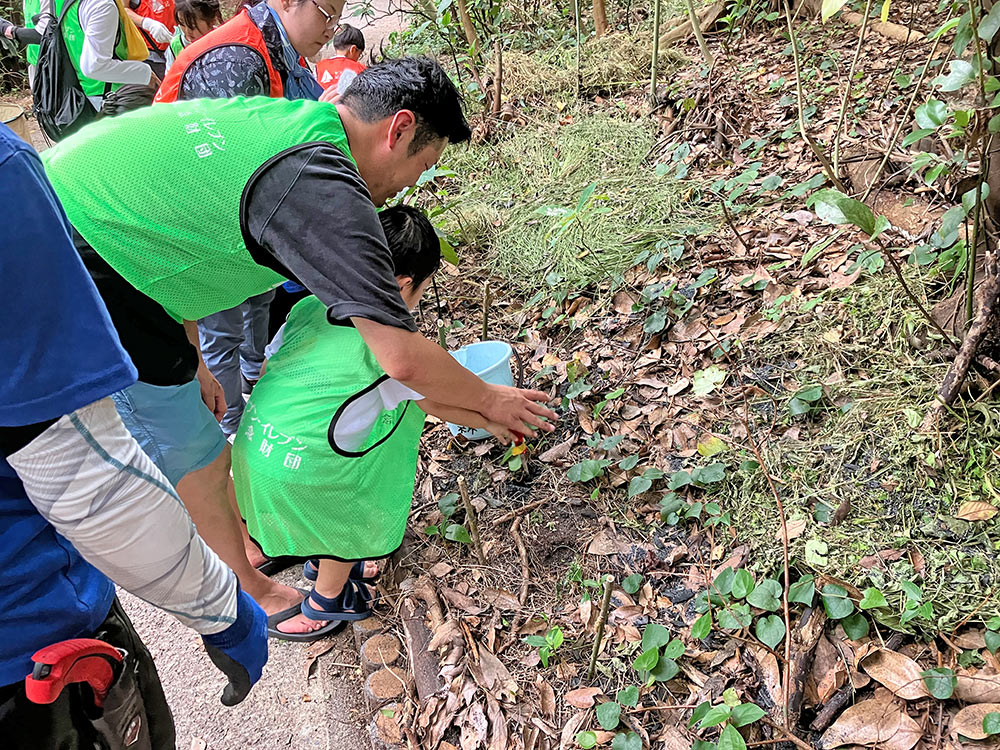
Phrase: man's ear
[405,283]
[402,128]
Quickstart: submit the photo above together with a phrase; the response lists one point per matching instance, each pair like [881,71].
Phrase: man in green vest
[229,198]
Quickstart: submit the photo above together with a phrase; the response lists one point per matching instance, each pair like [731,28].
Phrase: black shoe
[248,385]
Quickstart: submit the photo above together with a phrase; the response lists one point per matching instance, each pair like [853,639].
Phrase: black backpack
[61,107]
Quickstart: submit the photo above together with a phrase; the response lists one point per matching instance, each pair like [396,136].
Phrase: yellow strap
[137,49]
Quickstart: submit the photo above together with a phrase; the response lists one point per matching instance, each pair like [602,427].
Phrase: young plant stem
[470,517]
[696,27]
[887,254]
[601,620]
[827,167]
[522,553]
[442,335]
[847,93]
[497,78]
[579,70]
[487,301]
[656,52]
[468,28]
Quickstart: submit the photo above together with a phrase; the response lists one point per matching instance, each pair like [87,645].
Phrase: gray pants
[232,342]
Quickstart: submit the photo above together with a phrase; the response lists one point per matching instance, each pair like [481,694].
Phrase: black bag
[61,107]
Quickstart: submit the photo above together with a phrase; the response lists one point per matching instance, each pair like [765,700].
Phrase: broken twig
[601,620]
[470,517]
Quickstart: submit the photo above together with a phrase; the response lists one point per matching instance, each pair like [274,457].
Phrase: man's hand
[330,95]
[518,409]
[211,392]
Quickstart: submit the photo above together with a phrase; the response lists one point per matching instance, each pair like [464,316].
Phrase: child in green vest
[194,19]
[325,458]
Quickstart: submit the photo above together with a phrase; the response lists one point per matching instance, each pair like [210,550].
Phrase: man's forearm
[89,478]
[423,366]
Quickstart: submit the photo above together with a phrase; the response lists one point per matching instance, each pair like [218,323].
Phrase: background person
[338,71]
[82,503]
[194,18]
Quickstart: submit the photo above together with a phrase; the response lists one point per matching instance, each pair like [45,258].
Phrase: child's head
[349,42]
[197,17]
[415,250]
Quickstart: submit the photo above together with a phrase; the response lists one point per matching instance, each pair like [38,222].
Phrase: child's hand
[500,432]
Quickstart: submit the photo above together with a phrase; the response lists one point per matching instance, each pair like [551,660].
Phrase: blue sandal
[355,602]
[311,570]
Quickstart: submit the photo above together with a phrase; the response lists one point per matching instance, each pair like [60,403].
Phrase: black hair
[413,243]
[347,36]
[415,83]
[189,12]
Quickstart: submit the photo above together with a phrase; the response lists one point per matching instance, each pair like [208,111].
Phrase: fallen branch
[601,620]
[706,20]
[522,553]
[470,517]
[888,29]
[521,511]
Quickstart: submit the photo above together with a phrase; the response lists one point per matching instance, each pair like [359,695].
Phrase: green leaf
[811,394]
[960,72]
[665,670]
[766,596]
[679,479]
[830,8]
[699,713]
[656,322]
[940,682]
[884,15]
[856,626]
[836,602]
[991,723]
[448,252]
[448,504]
[910,138]
[715,716]
[632,584]
[432,530]
[586,470]
[674,649]
[638,485]
[803,591]
[816,552]
[746,713]
[536,641]
[555,637]
[912,591]
[873,599]
[770,631]
[711,446]
[992,640]
[608,714]
[723,583]
[709,474]
[654,636]
[707,380]
[646,661]
[834,207]
[931,115]
[989,24]
[735,617]
[881,224]
[628,463]
[702,627]
[457,533]
[626,741]
[743,583]
[731,739]
[586,740]
[797,407]
[629,696]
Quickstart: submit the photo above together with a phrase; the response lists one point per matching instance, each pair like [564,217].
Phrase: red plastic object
[78,660]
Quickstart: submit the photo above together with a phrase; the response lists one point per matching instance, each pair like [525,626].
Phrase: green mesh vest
[156,192]
[73,34]
[31,9]
[321,466]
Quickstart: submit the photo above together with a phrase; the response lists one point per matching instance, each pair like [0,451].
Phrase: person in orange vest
[259,52]
[155,19]
[338,71]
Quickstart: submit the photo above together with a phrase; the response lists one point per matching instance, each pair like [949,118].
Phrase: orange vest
[158,10]
[328,71]
[238,30]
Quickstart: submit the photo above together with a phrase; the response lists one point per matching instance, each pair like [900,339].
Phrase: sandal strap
[354,601]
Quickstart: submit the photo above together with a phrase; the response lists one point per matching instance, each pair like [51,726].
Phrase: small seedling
[547,645]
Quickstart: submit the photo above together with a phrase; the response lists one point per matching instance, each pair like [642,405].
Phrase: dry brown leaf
[678,386]
[674,739]
[605,543]
[622,303]
[897,672]
[557,452]
[976,510]
[475,728]
[969,721]
[875,722]
[315,650]
[582,697]
[546,697]
[972,638]
[501,599]
[570,728]
[461,601]
[498,724]
[795,529]
[493,676]
[981,687]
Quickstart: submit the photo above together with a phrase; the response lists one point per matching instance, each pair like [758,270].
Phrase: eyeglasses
[331,21]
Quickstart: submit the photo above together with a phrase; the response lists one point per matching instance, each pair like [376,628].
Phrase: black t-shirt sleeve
[308,215]
[222,72]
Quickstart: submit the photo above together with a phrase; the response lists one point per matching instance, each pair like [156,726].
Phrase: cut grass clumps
[516,194]
[862,445]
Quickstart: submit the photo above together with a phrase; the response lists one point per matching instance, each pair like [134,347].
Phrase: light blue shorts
[173,426]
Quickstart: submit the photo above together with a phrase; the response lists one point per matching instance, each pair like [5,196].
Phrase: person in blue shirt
[80,504]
